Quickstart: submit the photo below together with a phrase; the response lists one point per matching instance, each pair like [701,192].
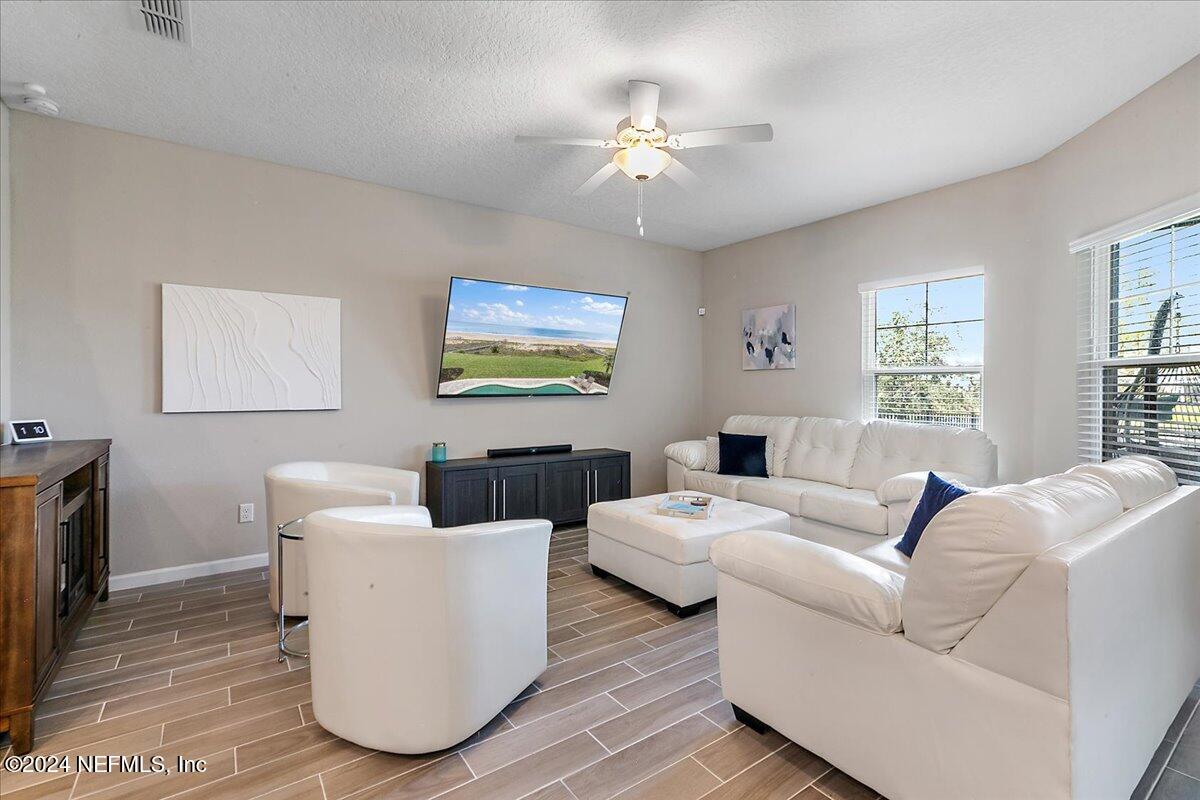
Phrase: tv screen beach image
[517,340]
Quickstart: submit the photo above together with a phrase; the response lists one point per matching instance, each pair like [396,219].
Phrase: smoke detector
[167,19]
[33,98]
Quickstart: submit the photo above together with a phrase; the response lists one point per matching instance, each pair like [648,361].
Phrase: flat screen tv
[510,339]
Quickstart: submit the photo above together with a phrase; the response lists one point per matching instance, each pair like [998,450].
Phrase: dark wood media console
[53,565]
[554,486]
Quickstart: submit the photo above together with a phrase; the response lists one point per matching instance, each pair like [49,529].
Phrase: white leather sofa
[844,483]
[1038,644]
[419,636]
[298,488]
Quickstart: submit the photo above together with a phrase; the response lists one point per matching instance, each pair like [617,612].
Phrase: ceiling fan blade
[566,140]
[682,175]
[737,135]
[643,105]
[590,185]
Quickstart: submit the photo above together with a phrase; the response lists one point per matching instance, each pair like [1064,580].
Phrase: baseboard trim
[153,577]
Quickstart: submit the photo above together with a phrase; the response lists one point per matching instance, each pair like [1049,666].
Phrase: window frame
[1100,362]
[870,368]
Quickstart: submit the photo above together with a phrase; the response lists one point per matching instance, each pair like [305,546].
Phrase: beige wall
[5,279]
[1016,224]
[102,219]
[1143,155]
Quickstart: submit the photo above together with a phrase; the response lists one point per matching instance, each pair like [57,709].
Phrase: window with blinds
[923,350]
[1139,346]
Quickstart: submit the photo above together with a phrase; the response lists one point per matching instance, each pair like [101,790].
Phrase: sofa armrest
[902,488]
[692,455]
[829,581]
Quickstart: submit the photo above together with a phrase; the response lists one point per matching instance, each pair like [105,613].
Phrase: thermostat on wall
[29,430]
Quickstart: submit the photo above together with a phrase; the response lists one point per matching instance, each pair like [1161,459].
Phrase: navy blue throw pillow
[937,495]
[743,455]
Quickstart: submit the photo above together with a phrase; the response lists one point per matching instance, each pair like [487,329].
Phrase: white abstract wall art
[232,350]
[769,337]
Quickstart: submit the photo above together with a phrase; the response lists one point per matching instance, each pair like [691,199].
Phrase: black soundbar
[501,452]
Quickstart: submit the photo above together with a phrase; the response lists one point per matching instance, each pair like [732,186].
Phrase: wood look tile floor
[629,707]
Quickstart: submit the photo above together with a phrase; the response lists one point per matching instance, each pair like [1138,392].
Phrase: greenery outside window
[923,349]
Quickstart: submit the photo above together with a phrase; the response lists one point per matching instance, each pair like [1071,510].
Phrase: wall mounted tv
[510,339]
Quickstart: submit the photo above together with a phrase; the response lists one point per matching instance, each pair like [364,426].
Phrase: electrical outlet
[246,512]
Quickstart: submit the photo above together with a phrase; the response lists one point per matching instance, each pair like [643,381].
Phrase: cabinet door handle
[493,500]
[504,498]
[596,478]
[587,486]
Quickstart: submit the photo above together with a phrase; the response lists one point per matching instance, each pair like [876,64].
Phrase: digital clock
[29,430]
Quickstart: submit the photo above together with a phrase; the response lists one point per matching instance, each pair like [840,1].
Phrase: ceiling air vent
[170,19]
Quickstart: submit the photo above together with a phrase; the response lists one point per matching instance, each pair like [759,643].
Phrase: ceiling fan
[642,144]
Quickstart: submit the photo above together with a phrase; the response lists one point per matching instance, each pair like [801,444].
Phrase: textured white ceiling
[870,101]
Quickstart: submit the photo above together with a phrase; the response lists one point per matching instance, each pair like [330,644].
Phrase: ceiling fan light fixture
[643,146]
[642,161]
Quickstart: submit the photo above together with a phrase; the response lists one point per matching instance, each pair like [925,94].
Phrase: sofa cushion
[781,430]
[633,522]
[856,509]
[1135,479]
[823,450]
[979,544]
[697,480]
[829,581]
[937,495]
[887,556]
[890,448]
[742,454]
[780,493]
[712,455]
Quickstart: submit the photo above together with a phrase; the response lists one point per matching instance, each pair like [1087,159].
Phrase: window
[1139,346]
[923,349]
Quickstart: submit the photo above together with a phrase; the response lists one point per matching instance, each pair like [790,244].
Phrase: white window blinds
[1139,345]
[922,355]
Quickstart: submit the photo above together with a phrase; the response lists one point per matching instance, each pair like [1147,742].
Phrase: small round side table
[284,633]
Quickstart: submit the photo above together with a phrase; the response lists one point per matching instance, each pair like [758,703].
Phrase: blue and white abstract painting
[769,337]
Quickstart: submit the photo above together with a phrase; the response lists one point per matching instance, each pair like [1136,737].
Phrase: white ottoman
[668,556]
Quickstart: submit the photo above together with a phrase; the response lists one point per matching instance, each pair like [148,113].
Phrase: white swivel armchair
[420,636]
[299,488]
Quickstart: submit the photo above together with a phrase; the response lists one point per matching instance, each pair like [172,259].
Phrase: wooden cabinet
[522,491]
[558,487]
[99,573]
[467,497]
[568,489]
[47,577]
[54,547]
[610,479]
[572,486]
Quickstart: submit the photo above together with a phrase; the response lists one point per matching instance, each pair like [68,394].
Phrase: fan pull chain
[641,230]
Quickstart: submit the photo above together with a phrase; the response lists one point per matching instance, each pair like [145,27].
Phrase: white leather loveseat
[1037,645]
[844,483]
